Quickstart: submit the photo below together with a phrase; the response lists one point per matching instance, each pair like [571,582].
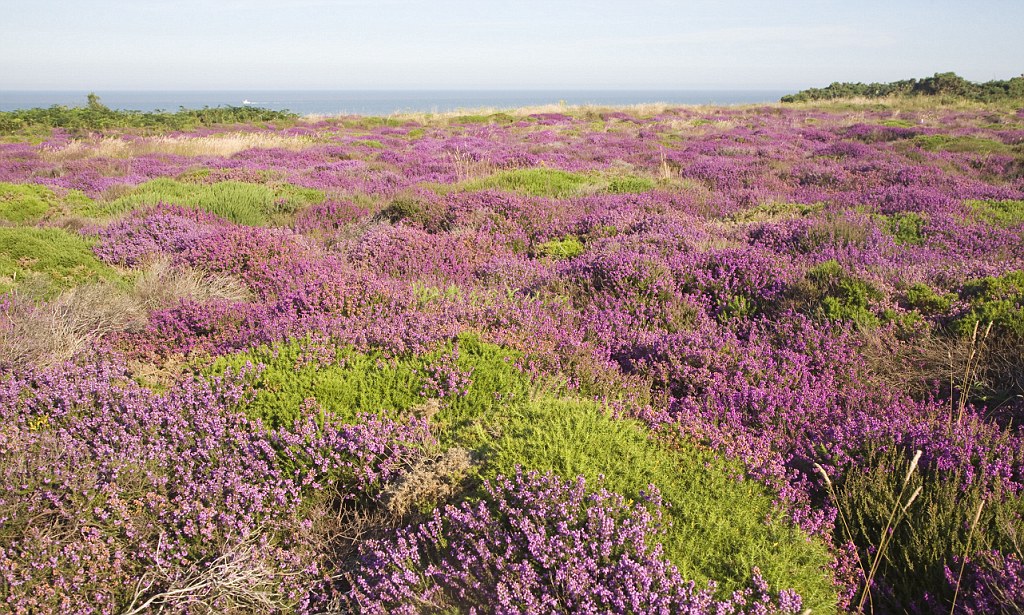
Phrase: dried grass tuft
[54,332]
[161,284]
[242,580]
[218,145]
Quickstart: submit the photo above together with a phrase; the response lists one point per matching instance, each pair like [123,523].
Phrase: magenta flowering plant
[113,495]
[537,543]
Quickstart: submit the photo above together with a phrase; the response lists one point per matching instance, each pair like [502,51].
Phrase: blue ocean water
[378,102]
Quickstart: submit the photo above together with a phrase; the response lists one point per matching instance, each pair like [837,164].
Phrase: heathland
[643,360]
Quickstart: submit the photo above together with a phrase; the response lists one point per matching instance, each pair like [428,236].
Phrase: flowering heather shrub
[993,582]
[539,544]
[114,495]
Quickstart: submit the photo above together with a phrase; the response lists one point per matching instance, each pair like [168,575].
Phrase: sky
[516,44]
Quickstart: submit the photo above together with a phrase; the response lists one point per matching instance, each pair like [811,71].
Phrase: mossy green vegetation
[46,261]
[243,203]
[997,300]
[717,523]
[349,382]
[720,526]
[490,118]
[567,247]
[557,183]
[32,203]
[1003,213]
[970,144]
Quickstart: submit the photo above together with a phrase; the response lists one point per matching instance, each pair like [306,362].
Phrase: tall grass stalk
[970,372]
[899,511]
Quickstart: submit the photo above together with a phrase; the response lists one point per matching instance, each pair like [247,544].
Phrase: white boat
[246,102]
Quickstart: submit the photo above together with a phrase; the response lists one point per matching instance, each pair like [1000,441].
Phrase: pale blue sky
[477,44]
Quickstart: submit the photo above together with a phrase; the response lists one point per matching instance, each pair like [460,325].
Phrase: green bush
[568,247]
[346,382]
[838,294]
[921,297]
[999,300]
[47,260]
[947,85]
[243,203]
[949,143]
[96,116]
[30,203]
[907,227]
[720,526]
[1003,213]
[412,209]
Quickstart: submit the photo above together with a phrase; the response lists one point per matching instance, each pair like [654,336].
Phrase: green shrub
[569,247]
[999,300]
[946,85]
[1003,213]
[949,143]
[836,231]
[837,294]
[350,382]
[30,203]
[96,116]
[718,523]
[242,203]
[47,260]
[921,297]
[412,209]
[907,227]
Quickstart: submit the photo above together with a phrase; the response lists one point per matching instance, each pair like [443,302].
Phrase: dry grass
[242,580]
[54,332]
[218,145]
[161,284]
[466,168]
[51,333]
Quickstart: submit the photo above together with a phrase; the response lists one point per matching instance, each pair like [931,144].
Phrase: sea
[378,102]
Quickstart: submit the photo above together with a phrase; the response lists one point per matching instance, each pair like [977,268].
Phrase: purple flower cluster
[111,493]
[540,544]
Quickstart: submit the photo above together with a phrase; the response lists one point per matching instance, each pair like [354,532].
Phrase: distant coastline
[378,102]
